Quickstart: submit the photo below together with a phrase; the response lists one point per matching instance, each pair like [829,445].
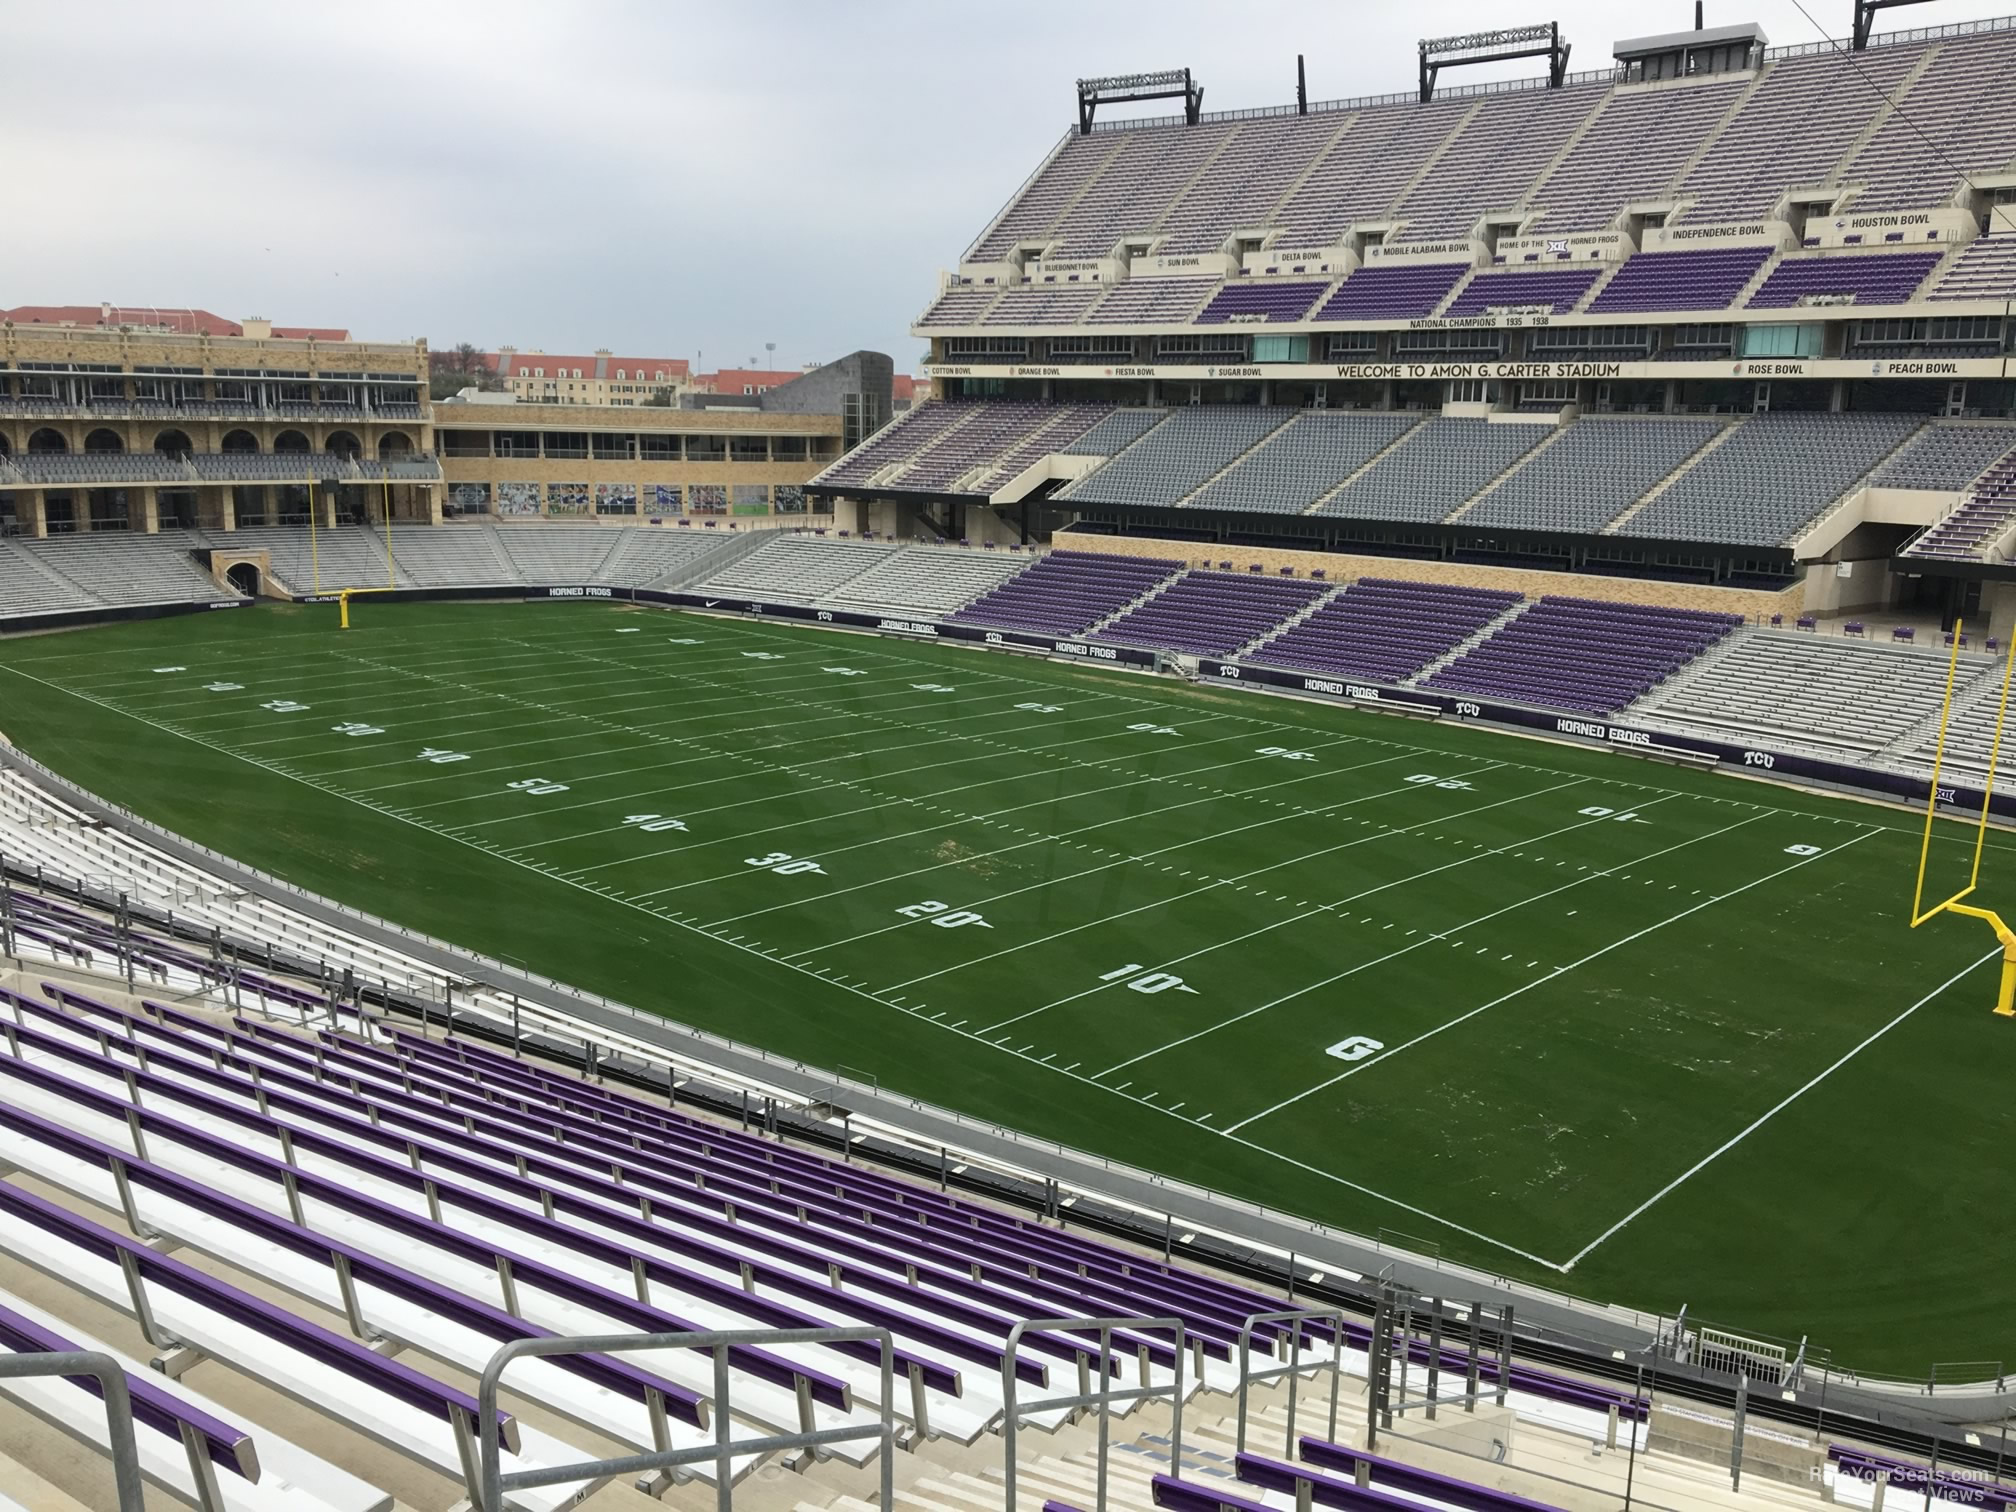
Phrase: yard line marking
[800,768]
[986,817]
[1727,1145]
[1143,856]
[1265,928]
[1063,835]
[649,732]
[1560,971]
[1432,937]
[903,743]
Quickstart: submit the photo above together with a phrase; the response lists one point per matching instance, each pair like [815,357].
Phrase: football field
[1640,1033]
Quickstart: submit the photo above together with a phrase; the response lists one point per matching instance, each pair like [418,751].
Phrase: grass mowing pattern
[1649,1035]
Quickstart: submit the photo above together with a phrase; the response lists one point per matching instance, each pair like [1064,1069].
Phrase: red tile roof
[734,380]
[188,322]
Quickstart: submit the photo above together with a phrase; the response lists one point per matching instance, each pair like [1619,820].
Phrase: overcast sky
[665,179]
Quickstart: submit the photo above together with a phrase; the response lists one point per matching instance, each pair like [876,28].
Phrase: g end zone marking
[1729,1144]
[1558,972]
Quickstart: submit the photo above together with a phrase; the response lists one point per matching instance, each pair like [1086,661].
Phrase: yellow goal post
[2005,1002]
[343,594]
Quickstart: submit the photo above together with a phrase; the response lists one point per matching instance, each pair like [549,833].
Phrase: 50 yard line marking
[757,953]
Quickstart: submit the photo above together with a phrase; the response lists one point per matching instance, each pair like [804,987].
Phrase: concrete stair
[1370,462]
[1504,477]
[1673,477]
[1135,603]
[1266,440]
[1066,493]
[1288,624]
[1468,644]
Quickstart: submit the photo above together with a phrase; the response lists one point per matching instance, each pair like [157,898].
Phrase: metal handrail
[1293,1369]
[1012,1410]
[111,1380]
[489,1483]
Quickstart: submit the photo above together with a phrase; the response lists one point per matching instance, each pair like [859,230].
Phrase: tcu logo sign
[1468,710]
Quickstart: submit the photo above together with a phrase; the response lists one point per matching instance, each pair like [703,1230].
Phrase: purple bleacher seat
[1067,592]
[1869,280]
[1902,633]
[1189,1496]
[1707,280]
[1213,614]
[1262,301]
[156,1407]
[1405,291]
[396,1379]
[1555,289]
[1383,630]
[1587,655]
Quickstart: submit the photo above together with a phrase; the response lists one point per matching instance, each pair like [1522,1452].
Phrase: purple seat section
[611,1374]
[290,1094]
[1583,654]
[1555,289]
[1975,526]
[1708,280]
[1261,302]
[1406,291]
[1383,630]
[581,1162]
[1213,613]
[394,1378]
[1329,1491]
[1067,592]
[1870,280]
[161,1410]
[760,1363]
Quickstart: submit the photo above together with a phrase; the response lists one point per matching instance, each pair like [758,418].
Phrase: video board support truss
[1495,46]
[1865,17]
[1115,89]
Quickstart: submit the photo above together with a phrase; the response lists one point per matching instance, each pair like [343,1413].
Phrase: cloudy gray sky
[667,179]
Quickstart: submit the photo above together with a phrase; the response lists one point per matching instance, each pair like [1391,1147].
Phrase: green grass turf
[1601,1037]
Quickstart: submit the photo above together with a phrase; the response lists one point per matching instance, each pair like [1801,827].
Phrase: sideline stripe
[1559,971]
[1727,1145]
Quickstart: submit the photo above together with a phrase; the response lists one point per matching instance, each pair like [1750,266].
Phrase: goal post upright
[2005,1002]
